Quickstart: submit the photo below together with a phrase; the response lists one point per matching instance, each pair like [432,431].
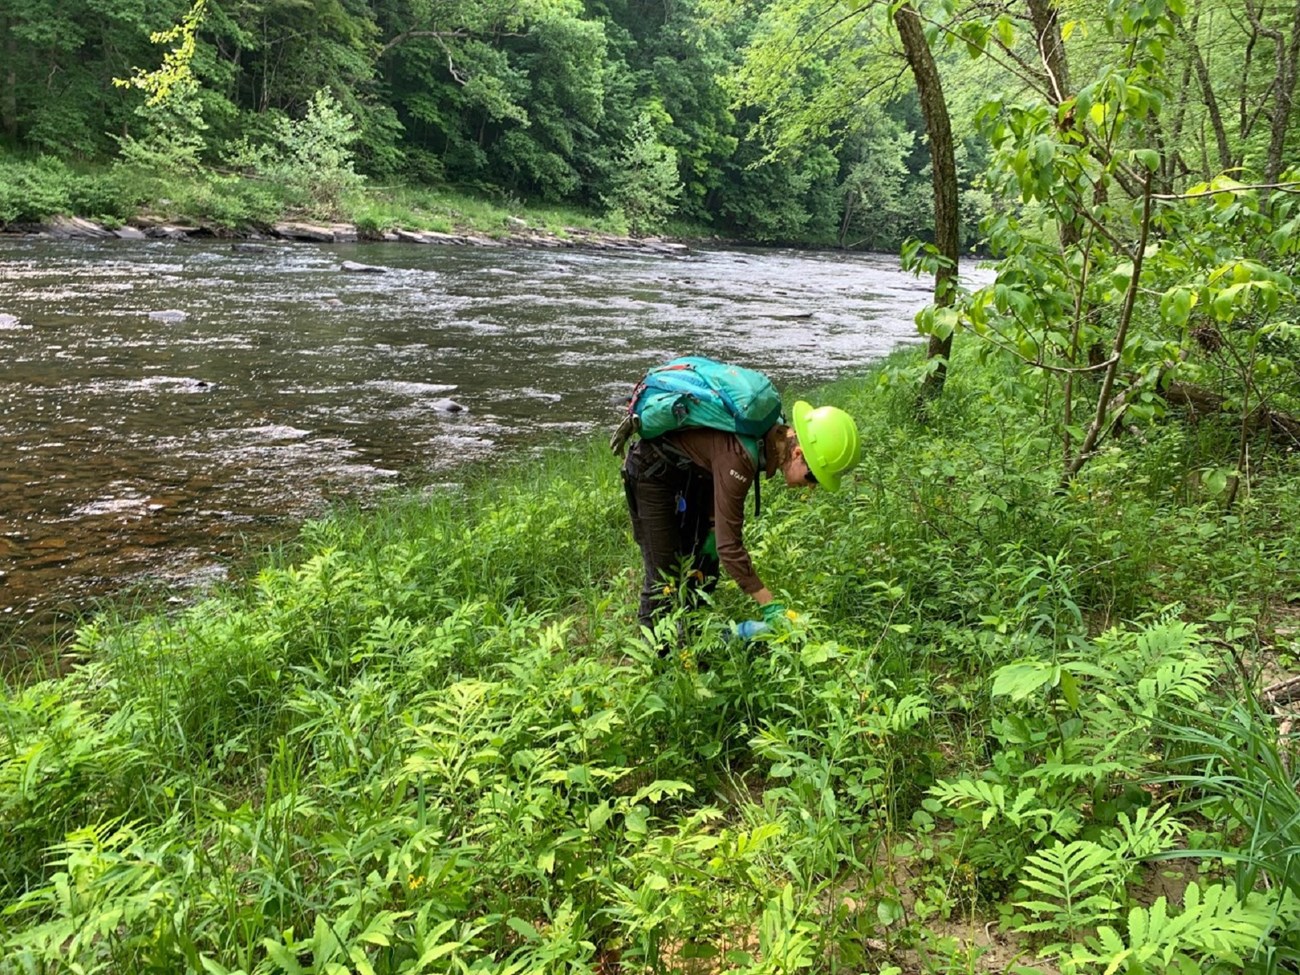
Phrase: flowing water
[163,404]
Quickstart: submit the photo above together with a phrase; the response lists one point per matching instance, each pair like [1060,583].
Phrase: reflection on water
[161,401]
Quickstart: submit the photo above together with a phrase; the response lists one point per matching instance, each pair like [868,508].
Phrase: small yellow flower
[414,882]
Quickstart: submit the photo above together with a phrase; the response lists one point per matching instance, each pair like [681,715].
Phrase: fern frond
[1147,833]
[1077,772]
[1185,679]
[1077,879]
[1214,923]
[907,712]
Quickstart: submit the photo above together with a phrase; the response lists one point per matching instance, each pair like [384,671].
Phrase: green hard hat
[829,439]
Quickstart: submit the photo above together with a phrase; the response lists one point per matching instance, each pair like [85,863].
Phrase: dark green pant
[671,503]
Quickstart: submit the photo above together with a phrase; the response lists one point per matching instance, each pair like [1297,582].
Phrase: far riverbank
[517,234]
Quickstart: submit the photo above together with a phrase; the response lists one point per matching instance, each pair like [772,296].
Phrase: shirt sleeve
[729,463]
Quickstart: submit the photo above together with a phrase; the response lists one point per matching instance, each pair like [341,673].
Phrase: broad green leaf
[1069,689]
[889,911]
[1019,680]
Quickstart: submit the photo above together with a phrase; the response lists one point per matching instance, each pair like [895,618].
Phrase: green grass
[379,209]
[35,189]
[430,737]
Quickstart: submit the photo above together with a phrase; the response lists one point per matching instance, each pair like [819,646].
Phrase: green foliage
[1104,277]
[30,191]
[172,142]
[1242,769]
[311,156]
[535,102]
[431,736]
[1216,924]
[645,186]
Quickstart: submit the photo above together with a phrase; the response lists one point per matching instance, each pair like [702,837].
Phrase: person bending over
[686,494]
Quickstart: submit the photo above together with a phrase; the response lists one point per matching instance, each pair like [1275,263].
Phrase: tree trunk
[1197,402]
[9,100]
[1211,101]
[1056,73]
[1286,51]
[1051,48]
[943,165]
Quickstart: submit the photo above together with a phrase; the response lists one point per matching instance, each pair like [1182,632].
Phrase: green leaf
[1149,158]
[1019,680]
[636,823]
[599,816]
[659,788]
[889,911]
[282,956]
[1069,689]
[523,929]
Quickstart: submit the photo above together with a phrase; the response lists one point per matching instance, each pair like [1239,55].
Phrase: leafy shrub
[230,201]
[646,186]
[32,191]
[311,156]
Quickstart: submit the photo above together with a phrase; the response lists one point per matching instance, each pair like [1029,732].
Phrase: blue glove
[746,630]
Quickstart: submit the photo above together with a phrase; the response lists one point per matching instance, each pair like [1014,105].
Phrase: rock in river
[171,316]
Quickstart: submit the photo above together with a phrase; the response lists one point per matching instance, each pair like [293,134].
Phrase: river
[166,404]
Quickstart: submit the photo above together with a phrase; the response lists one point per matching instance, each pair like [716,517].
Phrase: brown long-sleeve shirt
[724,458]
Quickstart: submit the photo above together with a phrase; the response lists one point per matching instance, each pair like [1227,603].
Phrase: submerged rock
[173,231]
[444,405]
[171,316]
[357,268]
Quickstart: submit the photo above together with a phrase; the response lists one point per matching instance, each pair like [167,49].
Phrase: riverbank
[517,234]
[47,198]
[431,737]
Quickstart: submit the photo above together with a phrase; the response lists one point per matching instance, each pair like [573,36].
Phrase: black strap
[669,454]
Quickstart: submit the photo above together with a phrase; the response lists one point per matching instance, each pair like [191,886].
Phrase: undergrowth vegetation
[434,740]
[33,191]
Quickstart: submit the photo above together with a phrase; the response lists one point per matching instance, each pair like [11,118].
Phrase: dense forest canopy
[784,121]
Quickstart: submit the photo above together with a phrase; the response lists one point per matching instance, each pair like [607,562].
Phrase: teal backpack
[697,392]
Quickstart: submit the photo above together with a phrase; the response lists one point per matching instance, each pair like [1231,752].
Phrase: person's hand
[746,630]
